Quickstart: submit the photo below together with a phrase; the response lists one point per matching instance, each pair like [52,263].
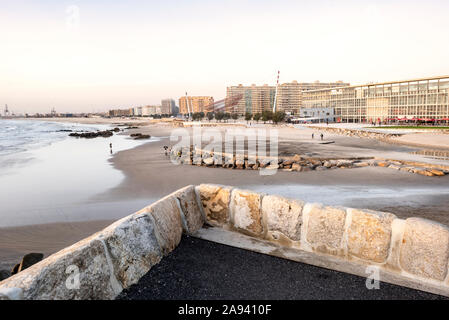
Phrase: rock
[425,248]
[264,162]
[369,234]
[288,162]
[393,166]
[133,247]
[116,129]
[215,201]
[208,161]
[15,269]
[327,164]
[326,226]
[361,164]
[383,164]
[29,259]
[423,172]
[283,215]
[297,158]
[344,163]
[240,164]
[306,168]
[296,167]
[436,172]
[89,135]
[168,223]
[142,136]
[321,168]
[193,219]
[81,271]
[245,207]
[4,274]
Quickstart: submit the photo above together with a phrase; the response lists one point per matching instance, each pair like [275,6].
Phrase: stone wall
[414,248]
[122,253]
[112,259]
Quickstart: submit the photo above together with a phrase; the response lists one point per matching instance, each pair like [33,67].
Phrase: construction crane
[227,104]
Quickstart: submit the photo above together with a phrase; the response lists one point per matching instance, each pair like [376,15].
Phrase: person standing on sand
[110,147]
[321,135]
[313,135]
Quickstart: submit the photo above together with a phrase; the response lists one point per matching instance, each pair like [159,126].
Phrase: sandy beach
[149,175]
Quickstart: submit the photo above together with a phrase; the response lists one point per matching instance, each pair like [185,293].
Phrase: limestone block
[208,161]
[326,226]
[283,215]
[215,201]
[191,211]
[436,172]
[81,271]
[425,248]
[369,234]
[296,167]
[133,247]
[246,211]
[167,221]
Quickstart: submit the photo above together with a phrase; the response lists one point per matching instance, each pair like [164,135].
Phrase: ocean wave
[23,135]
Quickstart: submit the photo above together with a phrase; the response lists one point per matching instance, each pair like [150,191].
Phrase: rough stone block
[425,248]
[215,201]
[326,226]
[283,215]
[369,234]
[167,221]
[56,277]
[245,208]
[133,247]
[191,211]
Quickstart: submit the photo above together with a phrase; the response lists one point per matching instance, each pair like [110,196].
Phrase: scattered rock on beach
[4,274]
[104,134]
[27,261]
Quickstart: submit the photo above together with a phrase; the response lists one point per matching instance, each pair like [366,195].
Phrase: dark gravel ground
[198,269]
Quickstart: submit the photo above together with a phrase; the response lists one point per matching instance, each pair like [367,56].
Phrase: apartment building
[256,99]
[195,104]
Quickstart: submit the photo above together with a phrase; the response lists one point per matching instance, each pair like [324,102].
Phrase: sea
[47,176]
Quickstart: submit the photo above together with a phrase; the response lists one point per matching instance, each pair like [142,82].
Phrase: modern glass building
[411,100]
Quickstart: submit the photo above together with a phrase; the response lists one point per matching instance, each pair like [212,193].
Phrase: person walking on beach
[313,135]
[321,135]
[110,147]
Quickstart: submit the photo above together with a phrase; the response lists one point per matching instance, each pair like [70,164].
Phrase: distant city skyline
[91,56]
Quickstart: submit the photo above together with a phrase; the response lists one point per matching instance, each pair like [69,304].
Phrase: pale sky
[93,55]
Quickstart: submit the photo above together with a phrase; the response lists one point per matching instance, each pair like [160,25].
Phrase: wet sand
[149,174]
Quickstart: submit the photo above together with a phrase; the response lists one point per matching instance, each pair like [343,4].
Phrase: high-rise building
[256,99]
[168,106]
[196,104]
[410,100]
[289,95]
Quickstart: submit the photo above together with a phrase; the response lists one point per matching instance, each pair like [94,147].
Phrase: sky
[95,55]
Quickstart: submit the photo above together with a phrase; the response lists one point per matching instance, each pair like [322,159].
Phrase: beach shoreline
[149,175]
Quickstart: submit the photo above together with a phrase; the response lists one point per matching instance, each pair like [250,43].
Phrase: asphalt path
[199,269]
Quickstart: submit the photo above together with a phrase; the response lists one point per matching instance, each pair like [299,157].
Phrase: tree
[257,117]
[267,116]
[278,116]
[248,116]
[235,116]
[219,116]
[210,115]
[226,116]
